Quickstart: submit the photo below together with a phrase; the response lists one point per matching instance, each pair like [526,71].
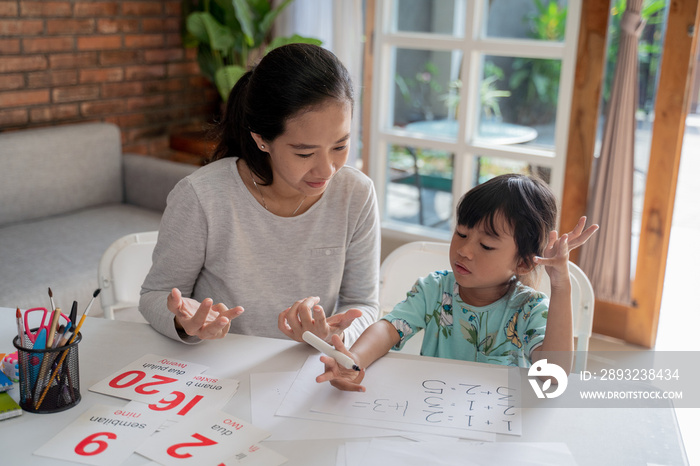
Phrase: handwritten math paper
[432,396]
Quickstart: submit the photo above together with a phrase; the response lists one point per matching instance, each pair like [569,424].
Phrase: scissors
[45,324]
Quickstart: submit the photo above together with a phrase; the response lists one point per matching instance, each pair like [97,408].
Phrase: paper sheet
[149,379]
[103,435]
[381,452]
[267,390]
[209,438]
[306,397]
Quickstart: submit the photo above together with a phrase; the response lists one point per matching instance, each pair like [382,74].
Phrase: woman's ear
[259,141]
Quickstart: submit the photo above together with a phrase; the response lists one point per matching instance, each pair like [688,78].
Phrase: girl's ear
[523,268]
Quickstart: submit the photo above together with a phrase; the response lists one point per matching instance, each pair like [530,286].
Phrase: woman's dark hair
[527,204]
[287,81]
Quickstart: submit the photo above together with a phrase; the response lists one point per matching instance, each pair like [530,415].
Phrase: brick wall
[69,61]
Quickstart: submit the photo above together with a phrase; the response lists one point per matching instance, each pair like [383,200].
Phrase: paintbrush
[53,305]
[65,353]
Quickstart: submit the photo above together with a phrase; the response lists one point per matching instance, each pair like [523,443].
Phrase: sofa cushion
[51,171]
[69,248]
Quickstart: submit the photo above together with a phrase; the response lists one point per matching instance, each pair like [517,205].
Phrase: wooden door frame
[638,322]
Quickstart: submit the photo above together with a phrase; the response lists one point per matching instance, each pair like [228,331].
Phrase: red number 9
[100,445]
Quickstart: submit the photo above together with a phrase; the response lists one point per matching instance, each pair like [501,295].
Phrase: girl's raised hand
[338,376]
[578,235]
[204,320]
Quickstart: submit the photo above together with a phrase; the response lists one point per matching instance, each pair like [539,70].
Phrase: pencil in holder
[49,379]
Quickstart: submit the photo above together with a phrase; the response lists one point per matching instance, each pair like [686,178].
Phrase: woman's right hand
[338,376]
[204,320]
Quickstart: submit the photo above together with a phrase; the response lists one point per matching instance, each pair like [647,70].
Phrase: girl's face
[313,147]
[483,264]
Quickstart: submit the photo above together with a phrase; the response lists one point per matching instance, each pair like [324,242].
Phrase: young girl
[482,310]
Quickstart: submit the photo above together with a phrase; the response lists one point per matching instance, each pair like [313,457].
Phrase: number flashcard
[257,455]
[209,438]
[149,379]
[201,393]
[103,435]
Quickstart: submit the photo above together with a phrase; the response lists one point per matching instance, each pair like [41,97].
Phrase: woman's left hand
[306,315]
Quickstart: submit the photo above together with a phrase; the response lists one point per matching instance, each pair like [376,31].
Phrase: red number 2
[99,445]
[203,442]
[129,378]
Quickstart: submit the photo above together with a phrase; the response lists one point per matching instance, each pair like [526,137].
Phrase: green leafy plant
[416,90]
[228,33]
[489,93]
[535,82]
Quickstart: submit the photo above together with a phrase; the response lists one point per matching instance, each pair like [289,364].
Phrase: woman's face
[313,147]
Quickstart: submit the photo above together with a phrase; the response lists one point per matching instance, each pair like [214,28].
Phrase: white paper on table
[103,435]
[340,456]
[305,396]
[208,438]
[149,379]
[267,390]
[257,455]
[433,393]
[381,452]
[201,393]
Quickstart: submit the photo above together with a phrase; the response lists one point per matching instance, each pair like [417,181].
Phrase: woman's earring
[262,146]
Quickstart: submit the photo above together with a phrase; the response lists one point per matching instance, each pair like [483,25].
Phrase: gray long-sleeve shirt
[216,241]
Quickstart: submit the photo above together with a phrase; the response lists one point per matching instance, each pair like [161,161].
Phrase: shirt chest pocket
[332,253]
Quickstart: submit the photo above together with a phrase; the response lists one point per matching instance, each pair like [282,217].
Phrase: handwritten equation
[432,393]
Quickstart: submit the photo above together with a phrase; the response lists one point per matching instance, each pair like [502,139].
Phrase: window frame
[466,150]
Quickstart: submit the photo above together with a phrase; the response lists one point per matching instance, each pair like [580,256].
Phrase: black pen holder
[49,379]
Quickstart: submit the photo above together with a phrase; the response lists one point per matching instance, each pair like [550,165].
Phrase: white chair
[405,264]
[121,272]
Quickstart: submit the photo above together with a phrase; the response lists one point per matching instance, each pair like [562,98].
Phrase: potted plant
[228,34]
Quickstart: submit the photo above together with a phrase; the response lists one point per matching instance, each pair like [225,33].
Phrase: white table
[594,436]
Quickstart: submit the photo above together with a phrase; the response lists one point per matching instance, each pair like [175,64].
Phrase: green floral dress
[504,332]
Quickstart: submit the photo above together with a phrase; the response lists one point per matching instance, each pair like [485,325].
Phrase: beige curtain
[606,257]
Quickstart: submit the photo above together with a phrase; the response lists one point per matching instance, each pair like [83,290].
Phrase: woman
[277,217]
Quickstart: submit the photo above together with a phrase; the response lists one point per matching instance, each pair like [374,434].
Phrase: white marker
[343,359]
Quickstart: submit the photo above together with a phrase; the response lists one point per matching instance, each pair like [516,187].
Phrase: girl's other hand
[203,320]
[338,376]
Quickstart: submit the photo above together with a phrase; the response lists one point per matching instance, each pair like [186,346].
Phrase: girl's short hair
[526,203]
[288,81]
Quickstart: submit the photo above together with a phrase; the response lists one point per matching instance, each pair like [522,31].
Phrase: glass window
[489,167]
[518,98]
[425,87]
[503,93]
[419,186]
[538,19]
[429,16]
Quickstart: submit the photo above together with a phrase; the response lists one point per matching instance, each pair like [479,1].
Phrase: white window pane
[518,97]
[425,85]
[489,167]
[430,16]
[526,19]
[419,186]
